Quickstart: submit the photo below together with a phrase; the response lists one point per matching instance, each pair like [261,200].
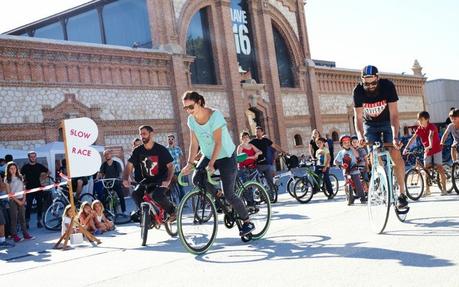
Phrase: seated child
[67,218]
[346,159]
[101,221]
[86,217]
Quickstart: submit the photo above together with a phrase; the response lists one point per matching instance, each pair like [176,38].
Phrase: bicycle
[414,180]
[197,225]
[455,176]
[153,216]
[111,202]
[383,189]
[53,215]
[349,185]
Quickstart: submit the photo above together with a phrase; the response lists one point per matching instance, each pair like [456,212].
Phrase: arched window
[199,44]
[298,140]
[335,136]
[284,60]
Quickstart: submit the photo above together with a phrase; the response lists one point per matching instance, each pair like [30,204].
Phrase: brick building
[127,62]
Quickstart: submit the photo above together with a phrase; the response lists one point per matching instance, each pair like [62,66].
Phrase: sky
[389,34]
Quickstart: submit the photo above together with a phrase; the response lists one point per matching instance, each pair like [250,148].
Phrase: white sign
[241,31]
[80,134]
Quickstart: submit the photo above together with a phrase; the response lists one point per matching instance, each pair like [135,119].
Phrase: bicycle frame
[381,154]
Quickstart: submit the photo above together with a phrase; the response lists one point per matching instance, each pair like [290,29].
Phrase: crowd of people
[157,166]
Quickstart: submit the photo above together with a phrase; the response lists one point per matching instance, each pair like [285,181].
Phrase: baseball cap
[369,71]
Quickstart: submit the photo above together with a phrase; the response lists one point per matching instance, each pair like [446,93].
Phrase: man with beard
[157,168]
[376,119]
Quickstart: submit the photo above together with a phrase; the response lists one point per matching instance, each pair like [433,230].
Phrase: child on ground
[323,165]
[15,188]
[67,219]
[453,129]
[101,221]
[346,159]
[86,216]
[428,133]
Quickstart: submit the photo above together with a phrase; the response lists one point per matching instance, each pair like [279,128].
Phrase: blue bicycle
[383,190]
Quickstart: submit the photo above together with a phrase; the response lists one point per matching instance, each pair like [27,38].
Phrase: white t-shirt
[454,132]
[65,220]
[17,186]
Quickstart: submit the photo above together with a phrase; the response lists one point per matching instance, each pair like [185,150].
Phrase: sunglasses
[369,84]
[189,107]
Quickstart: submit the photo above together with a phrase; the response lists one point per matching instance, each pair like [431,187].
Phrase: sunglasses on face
[189,107]
[369,84]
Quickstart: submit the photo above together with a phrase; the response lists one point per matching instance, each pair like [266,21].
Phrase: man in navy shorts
[376,119]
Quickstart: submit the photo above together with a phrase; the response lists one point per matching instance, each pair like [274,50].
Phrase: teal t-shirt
[205,133]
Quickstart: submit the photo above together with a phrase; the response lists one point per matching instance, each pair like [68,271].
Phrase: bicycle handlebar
[209,178]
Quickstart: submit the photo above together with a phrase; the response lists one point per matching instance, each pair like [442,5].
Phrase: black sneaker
[247,227]
[363,200]
[402,202]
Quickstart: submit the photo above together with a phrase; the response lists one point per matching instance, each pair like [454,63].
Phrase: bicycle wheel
[303,190]
[260,212]
[335,183]
[271,189]
[171,228]
[378,200]
[349,195]
[291,184]
[401,213]
[449,183]
[196,234]
[53,215]
[145,222]
[414,184]
[455,176]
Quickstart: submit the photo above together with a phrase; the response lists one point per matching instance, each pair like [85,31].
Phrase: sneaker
[402,202]
[363,199]
[16,238]
[6,244]
[27,236]
[247,227]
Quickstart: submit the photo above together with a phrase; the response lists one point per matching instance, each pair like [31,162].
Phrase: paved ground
[322,243]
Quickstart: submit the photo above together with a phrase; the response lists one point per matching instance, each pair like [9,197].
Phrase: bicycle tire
[53,215]
[271,189]
[144,224]
[455,176]
[303,190]
[414,184]
[449,184]
[290,184]
[261,218]
[378,201]
[335,184]
[350,195]
[187,220]
[171,228]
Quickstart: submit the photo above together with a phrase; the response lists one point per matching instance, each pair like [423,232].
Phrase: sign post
[82,160]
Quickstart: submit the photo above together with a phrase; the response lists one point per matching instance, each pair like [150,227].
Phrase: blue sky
[389,34]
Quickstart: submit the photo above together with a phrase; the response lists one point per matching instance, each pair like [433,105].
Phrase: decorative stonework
[178,6]
[305,133]
[289,15]
[295,104]
[25,104]
[22,145]
[335,104]
[341,128]
[218,100]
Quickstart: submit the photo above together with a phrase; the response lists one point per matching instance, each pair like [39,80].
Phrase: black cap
[369,71]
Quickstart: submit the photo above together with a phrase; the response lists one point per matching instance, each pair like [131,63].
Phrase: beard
[372,92]
[146,140]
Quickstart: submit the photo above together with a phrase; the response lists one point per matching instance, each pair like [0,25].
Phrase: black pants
[159,194]
[228,172]
[119,192]
[38,196]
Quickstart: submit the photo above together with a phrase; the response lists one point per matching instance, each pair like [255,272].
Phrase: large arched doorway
[254,118]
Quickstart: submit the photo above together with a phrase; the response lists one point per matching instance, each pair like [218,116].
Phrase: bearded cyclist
[376,119]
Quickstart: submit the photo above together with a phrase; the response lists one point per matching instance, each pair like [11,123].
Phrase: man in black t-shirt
[157,168]
[32,171]
[266,159]
[112,169]
[376,118]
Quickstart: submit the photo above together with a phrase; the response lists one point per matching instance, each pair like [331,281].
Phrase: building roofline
[338,69]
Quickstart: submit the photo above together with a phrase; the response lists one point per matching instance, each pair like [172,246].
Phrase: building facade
[441,96]
[125,63]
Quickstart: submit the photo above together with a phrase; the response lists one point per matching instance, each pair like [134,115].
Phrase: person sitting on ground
[322,168]
[86,216]
[346,159]
[67,215]
[15,188]
[453,129]
[101,221]
[428,133]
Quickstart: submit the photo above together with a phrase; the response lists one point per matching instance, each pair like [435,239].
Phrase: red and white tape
[37,189]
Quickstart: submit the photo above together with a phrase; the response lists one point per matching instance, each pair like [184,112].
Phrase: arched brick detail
[190,8]
[283,26]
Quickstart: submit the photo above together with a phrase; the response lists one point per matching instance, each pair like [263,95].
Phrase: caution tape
[37,189]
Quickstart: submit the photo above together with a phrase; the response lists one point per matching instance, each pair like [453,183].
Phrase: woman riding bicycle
[209,131]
